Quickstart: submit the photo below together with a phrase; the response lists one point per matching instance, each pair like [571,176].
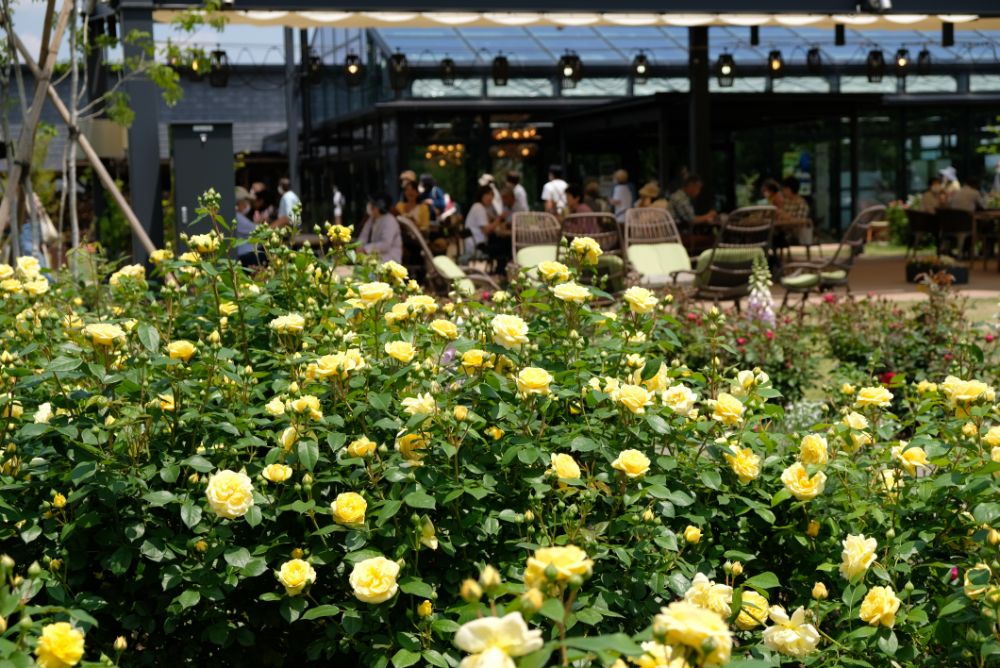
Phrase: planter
[960,274]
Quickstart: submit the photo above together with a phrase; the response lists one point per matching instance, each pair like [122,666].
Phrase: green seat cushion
[532,256]
[656,262]
[801,281]
[835,276]
[447,268]
[734,259]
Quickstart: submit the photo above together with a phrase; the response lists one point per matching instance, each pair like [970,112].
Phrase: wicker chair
[534,238]
[442,272]
[805,277]
[611,265]
[923,226]
[723,271]
[653,247]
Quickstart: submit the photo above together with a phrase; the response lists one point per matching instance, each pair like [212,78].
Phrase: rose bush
[529,480]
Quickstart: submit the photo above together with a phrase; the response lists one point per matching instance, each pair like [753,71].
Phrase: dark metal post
[902,160]
[663,143]
[144,135]
[290,116]
[836,167]
[699,113]
[97,86]
[855,163]
[305,96]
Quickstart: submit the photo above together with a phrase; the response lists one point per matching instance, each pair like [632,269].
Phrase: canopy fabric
[343,19]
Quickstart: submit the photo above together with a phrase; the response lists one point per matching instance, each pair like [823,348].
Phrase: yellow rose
[181,350]
[349,508]
[374,580]
[632,463]
[396,270]
[926,387]
[308,403]
[792,636]
[422,404]
[131,272]
[275,407]
[819,591]
[295,576]
[421,304]
[657,382]
[161,255]
[11,285]
[372,293]
[703,631]
[401,351]
[28,267]
[552,271]
[293,323]
[340,234]
[288,438]
[474,359]
[446,329]
[277,472]
[533,380]
[491,641]
[102,334]
[228,308]
[586,250]
[229,494]
[6,271]
[509,331]
[204,243]
[497,433]
[858,555]
[728,410]
[977,580]
[969,429]
[361,447]
[166,402]
[566,562]
[800,485]
[635,398]
[960,391]
[847,389]
[992,437]
[60,645]
[409,445]
[571,292]
[878,397]
[879,607]
[680,399]
[709,594]
[744,463]
[470,591]
[37,287]
[813,450]
[812,529]
[858,422]
[754,610]
[692,534]
[460,412]
[565,467]
[995,453]
[58,501]
[425,609]
[910,458]
[640,300]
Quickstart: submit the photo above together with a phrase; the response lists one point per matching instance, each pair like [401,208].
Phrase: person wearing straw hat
[649,197]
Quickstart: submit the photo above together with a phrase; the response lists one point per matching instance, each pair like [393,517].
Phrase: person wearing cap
[380,233]
[949,181]
[246,253]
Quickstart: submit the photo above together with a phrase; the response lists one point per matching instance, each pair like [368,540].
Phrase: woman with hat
[649,197]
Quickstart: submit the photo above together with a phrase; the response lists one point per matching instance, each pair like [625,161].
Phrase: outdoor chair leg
[784,302]
[737,303]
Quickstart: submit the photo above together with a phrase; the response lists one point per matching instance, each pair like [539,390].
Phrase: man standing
[554,192]
[287,204]
[520,194]
[338,205]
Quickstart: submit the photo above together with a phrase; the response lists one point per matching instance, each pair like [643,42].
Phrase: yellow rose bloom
[28,267]
[992,437]
[969,429]
[277,472]
[425,609]
[680,399]
[635,398]
[288,438]
[340,234]
[230,494]
[709,594]
[977,580]
[409,445]
[446,329]
[658,382]
[879,607]
[372,293]
[308,403]
[692,534]
[275,407]
[533,380]
[744,463]
[422,404]
[858,422]
[698,629]
[926,387]
[292,323]
[571,292]
[460,412]
[552,271]
[797,481]
[819,592]
[964,392]
[910,458]
[632,463]
[361,447]
[228,308]
[58,501]
[295,576]
[396,270]
[813,450]
[492,641]
[11,285]
[102,334]
[421,304]
[474,359]
[374,580]
[754,610]
[161,255]
[166,402]
[792,636]
[349,508]
[60,646]
[509,331]
[131,272]
[586,249]
[728,410]
[181,350]
[878,397]
[858,555]
[36,287]
[995,453]
[565,467]
[401,351]
[640,300]
[204,243]
[6,271]
[566,561]
[847,389]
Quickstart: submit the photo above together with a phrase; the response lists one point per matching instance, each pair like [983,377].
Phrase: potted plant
[934,264]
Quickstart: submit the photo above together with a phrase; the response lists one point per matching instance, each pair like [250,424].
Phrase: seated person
[968,197]
[380,232]
[934,198]
[575,204]
[793,207]
[413,209]
[682,204]
[649,197]
[247,253]
[592,197]
[498,231]
[481,214]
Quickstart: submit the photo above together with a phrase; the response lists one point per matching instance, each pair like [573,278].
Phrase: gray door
[201,157]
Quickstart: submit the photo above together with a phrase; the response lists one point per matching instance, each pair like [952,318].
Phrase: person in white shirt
[520,194]
[554,192]
[488,180]
[338,205]
[287,203]
[621,196]
[380,233]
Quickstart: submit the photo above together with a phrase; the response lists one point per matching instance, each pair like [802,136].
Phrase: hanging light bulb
[218,73]
[353,69]
[775,64]
[501,70]
[640,68]
[570,68]
[399,71]
[725,70]
[902,61]
[448,72]
[814,60]
[924,62]
[875,65]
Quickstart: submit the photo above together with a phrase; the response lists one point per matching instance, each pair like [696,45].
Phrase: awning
[343,19]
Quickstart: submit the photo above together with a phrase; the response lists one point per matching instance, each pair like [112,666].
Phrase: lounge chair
[534,238]
[653,248]
[443,273]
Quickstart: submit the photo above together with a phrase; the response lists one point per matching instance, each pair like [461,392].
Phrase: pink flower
[887,377]
[830,298]
[989,338]
[769,334]
[954,573]
[948,357]
[692,316]
[741,341]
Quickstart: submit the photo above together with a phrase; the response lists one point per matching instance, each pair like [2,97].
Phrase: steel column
[291,117]
[699,113]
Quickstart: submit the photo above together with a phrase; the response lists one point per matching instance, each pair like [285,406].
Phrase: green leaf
[416,587]
[766,580]
[388,511]
[254,568]
[553,609]
[435,658]
[538,659]
[952,606]
[888,644]
[308,454]
[237,557]
[254,516]
[320,611]
[198,463]
[404,658]
[149,337]
[64,364]
[615,642]
[657,424]
[190,514]
[711,478]
[188,598]
[986,513]
[419,500]
[160,498]
[582,444]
